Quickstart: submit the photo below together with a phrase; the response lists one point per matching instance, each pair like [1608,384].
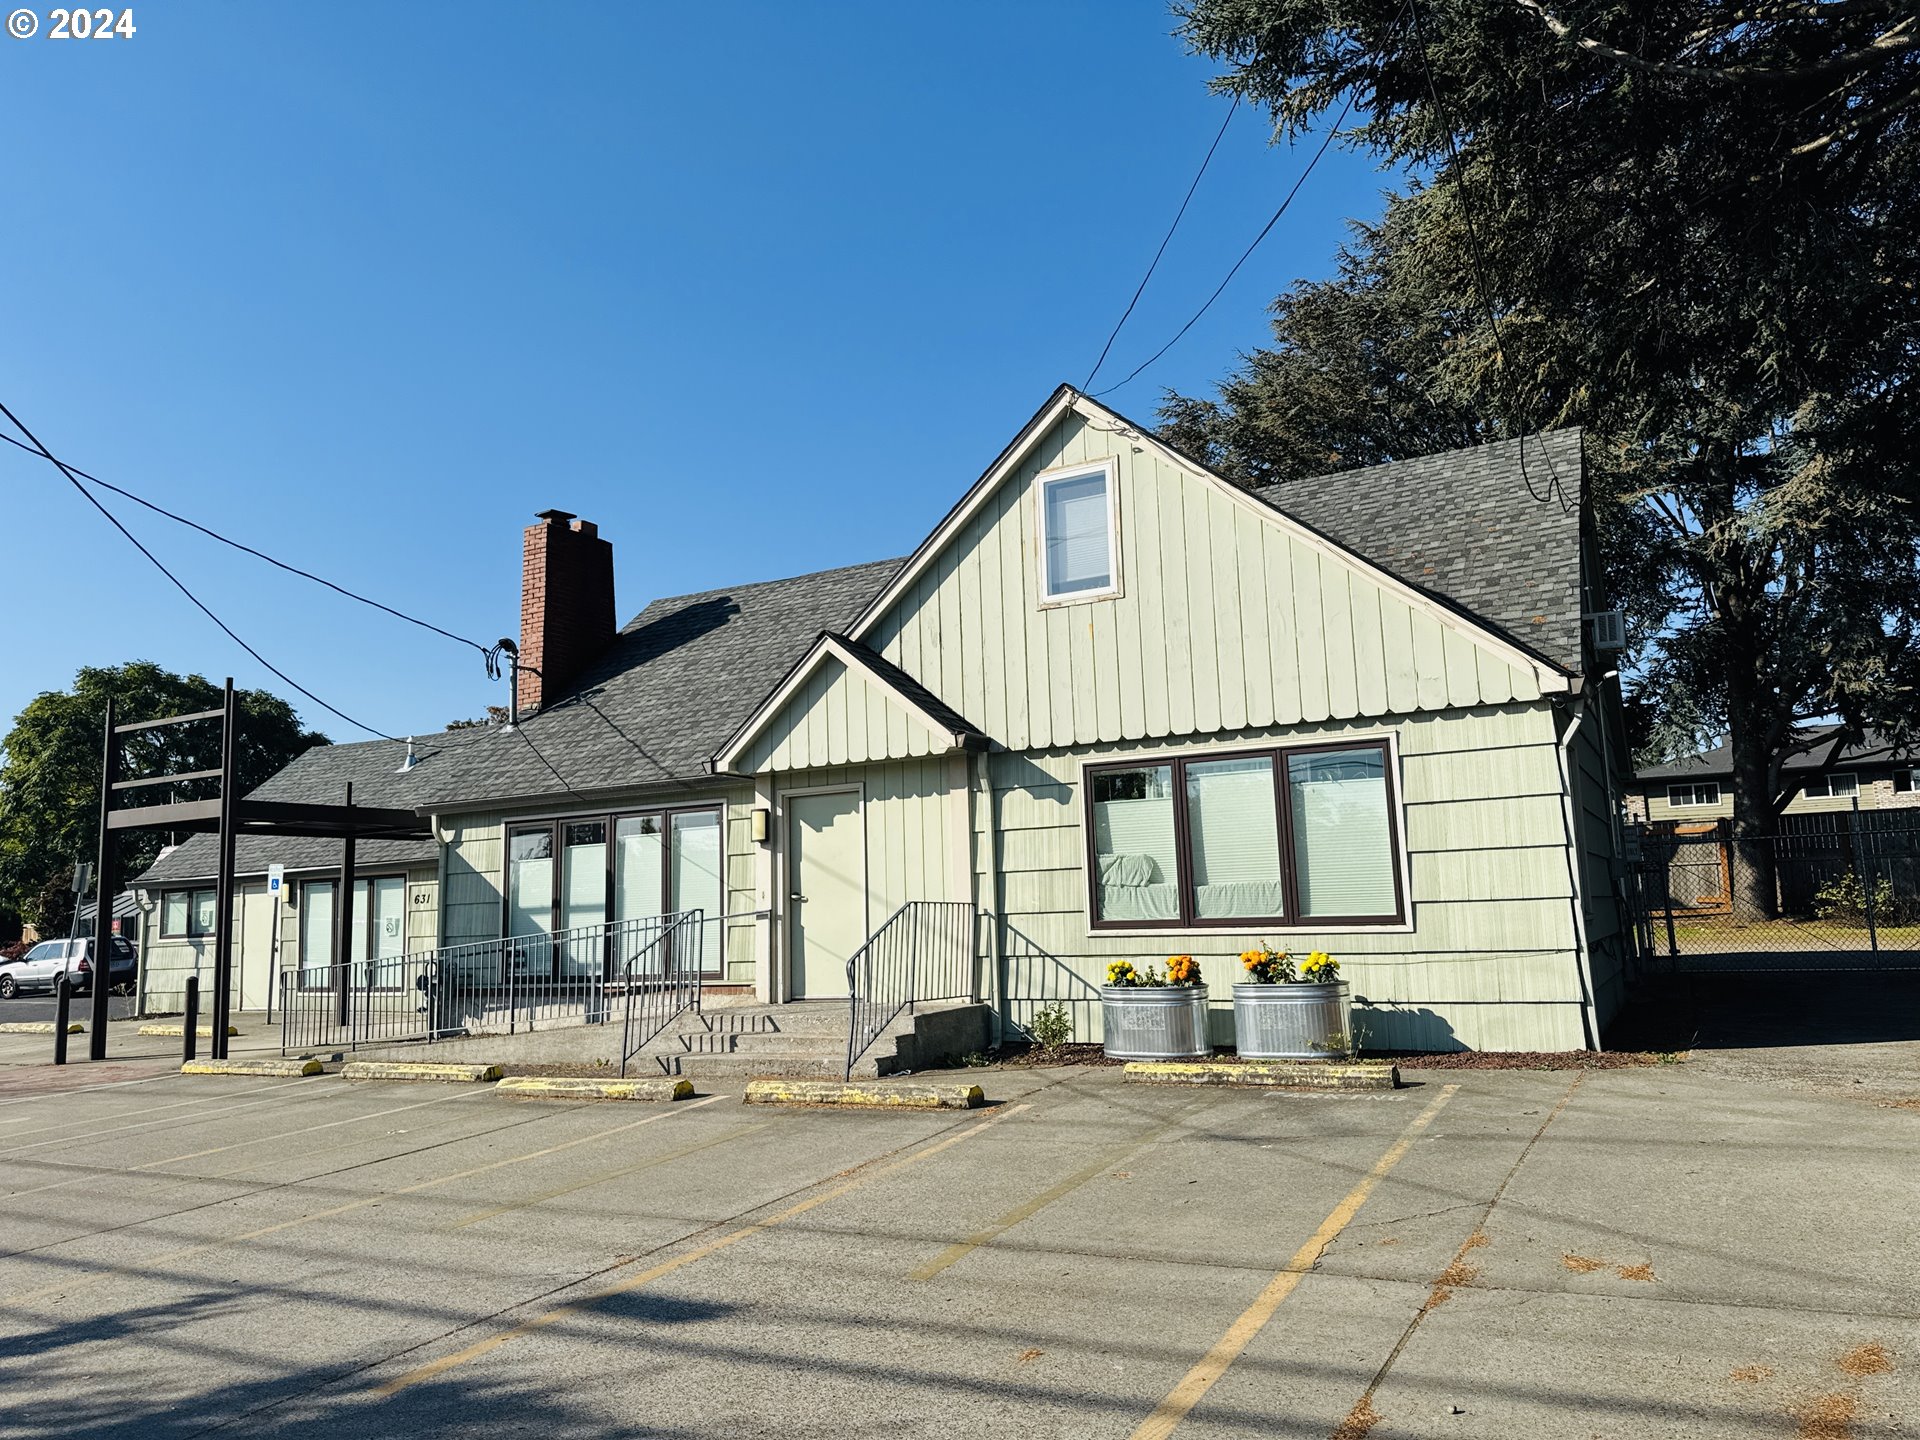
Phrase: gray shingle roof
[1463,527]
[1875,750]
[320,776]
[680,679]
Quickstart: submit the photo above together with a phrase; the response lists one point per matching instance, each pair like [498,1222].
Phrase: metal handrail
[481,987]
[666,992]
[925,951]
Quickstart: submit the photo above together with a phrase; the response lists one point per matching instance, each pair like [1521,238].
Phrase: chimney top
[554,517]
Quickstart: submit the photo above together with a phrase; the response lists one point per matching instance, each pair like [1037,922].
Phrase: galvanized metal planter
[1292,1022]
[1155,1022]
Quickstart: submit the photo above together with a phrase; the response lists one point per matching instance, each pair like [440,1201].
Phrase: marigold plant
[1320,969]
[1266,966]
[1121,972]
[1182,970]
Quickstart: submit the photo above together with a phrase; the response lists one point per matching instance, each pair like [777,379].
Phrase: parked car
[46,962]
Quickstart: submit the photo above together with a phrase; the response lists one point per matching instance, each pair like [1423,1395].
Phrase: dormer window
[1079,551]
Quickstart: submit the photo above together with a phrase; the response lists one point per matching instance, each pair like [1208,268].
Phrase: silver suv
[46,962]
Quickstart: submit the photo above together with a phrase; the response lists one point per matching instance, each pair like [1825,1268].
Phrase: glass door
[695,877]
[529,899]
[316,933]
[382,900]
[583,896]
[639,887]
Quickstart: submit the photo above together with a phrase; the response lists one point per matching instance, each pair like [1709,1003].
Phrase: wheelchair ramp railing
[507,986]
[925,952]
[661,982]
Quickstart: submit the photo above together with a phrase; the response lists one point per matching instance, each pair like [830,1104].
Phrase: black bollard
[191,1030]
[62,1006]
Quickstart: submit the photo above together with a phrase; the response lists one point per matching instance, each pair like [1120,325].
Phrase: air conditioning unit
[1609,631]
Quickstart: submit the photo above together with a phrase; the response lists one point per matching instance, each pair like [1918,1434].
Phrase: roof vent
[1609,631]
[408,763]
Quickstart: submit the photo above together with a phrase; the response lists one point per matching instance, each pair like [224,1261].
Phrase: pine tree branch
[1888,44]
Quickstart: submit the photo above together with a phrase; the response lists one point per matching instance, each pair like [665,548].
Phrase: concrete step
[737,1066]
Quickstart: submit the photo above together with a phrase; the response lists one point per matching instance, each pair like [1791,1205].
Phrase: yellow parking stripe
[959,1251]
[859,1176]
[1167,1416]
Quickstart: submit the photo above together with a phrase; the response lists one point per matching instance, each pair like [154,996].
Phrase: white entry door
[253,956]
[826,891]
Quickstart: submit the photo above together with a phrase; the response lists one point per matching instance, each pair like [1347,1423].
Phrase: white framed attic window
[1078,525]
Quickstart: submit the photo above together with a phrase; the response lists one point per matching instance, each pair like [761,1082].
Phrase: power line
[1556,492]
[179,584]
[244,548]
[1245,255]
[1165,240]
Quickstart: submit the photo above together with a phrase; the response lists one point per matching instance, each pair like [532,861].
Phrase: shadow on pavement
[1736,1011]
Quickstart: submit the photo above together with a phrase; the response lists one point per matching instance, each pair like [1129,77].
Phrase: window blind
[1079,549]
[1233,831]
[316,932]
[1139,832]
[1342,842]
[695,863]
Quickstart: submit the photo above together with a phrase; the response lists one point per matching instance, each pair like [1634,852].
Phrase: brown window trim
[363,915]
[1289,871]
[189,933]
[555,827]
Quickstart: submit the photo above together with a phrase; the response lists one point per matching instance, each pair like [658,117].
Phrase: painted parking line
[544,1196]
[1194,1385]
[1357,1421]
[69,1285]
[1026,1210]
[856,1178]
[95,1171]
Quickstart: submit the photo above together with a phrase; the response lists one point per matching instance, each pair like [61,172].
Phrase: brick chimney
[566,604]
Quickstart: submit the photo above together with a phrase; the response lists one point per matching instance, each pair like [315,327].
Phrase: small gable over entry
[845,705]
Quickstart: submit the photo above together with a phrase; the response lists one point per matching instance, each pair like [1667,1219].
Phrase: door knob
[796,896]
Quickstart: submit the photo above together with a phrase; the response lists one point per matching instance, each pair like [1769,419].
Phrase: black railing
[518,983]
[924,952]
[662,982]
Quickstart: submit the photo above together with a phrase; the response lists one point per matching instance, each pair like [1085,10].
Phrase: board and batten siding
[1489,961]
[839,716]
[1227,621]
[914,814]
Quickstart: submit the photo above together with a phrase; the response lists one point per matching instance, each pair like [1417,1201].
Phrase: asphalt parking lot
[40,1006]
[1618,1253]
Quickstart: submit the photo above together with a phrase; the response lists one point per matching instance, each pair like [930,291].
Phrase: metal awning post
[223,884]
[343,922]
[103,906]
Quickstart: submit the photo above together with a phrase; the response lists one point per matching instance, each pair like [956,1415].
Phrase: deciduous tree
[50,777]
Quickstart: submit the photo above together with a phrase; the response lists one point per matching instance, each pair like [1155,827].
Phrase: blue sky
[759,289]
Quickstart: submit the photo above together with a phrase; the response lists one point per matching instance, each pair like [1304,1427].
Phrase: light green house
[1113,707]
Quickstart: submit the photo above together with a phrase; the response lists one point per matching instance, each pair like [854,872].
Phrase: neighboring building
[1114,702]
[1699,789]
[396,885]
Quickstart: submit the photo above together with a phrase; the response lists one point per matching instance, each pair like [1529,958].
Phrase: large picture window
[563,875]
[1285,836]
